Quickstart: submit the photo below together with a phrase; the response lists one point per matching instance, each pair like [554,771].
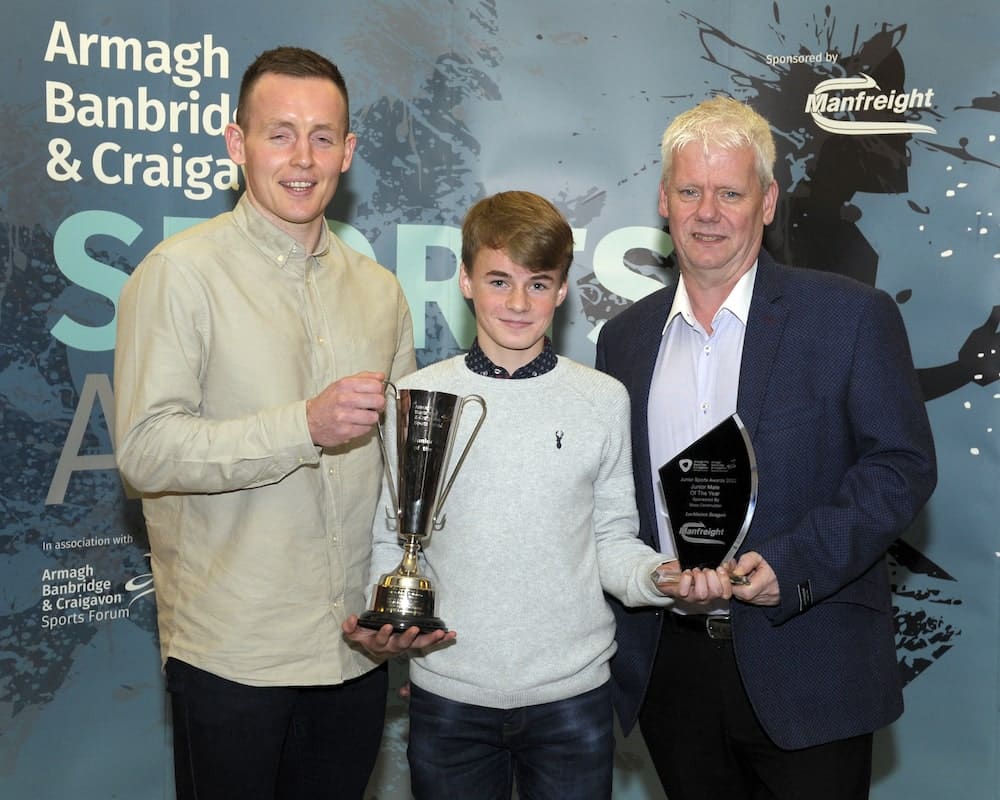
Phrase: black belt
[716,626]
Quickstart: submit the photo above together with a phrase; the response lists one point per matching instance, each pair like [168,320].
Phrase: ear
[770,202]
[663,202]
[563,291]
[350,142]
[464,282]
[234,143]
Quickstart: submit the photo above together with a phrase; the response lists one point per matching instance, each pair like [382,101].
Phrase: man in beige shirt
[248,375]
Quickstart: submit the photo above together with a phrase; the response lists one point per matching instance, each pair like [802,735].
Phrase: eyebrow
[538,276]
[281,122]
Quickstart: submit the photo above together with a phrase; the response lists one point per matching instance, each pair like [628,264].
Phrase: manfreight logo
[836,104]
[698,533]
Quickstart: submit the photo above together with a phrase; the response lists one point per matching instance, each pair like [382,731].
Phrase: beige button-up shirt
[260,540]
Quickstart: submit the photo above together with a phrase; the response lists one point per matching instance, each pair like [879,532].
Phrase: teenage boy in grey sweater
[541,523]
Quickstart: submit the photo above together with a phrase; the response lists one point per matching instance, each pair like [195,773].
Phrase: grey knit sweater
[541,521]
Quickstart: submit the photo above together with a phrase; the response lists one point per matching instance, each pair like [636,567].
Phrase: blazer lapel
[646,346]
[765,327]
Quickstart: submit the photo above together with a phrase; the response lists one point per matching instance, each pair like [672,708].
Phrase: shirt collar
[278,246]
[737,303]
[480,363]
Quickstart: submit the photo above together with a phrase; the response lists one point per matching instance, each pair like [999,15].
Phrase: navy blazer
[845,461]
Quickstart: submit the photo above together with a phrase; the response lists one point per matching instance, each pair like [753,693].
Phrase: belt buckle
[719,627]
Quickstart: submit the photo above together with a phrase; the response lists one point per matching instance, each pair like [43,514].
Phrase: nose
[302,154]
[518,299]
[708,207]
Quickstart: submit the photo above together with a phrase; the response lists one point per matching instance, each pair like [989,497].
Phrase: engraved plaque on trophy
[426,423]
[710,492]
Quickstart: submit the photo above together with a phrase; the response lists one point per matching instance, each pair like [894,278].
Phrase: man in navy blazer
[771,689]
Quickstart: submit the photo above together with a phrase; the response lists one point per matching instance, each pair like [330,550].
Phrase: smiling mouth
[298,186]
[707,237]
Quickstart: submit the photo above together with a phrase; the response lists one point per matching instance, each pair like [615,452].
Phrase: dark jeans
[261,743]
[555,751]
[705,741]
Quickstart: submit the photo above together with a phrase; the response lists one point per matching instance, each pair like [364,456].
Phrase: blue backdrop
[886,123]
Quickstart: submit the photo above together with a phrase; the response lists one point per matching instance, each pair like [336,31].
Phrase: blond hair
[726,123]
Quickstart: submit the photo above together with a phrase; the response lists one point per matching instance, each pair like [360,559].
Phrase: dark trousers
[554,751]
[706,742]
[273,743]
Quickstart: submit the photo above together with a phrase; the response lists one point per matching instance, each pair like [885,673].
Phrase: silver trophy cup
[426,424]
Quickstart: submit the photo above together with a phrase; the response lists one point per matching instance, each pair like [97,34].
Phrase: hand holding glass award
[426,424]
[710,491]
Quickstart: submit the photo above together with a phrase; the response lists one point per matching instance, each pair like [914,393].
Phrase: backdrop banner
[886,125]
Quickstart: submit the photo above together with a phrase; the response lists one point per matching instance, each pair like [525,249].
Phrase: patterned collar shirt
[480,363]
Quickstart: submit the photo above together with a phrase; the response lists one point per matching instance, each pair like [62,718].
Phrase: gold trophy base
[403,601]
[404,598]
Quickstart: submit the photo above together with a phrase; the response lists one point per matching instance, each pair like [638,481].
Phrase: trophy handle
[385,458]
[472,398]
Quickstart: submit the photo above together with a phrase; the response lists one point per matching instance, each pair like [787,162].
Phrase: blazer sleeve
[872,448]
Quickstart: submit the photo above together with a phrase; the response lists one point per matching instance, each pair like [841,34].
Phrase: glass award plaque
[710,492]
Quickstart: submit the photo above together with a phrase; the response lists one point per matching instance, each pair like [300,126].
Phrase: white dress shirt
[695,381]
